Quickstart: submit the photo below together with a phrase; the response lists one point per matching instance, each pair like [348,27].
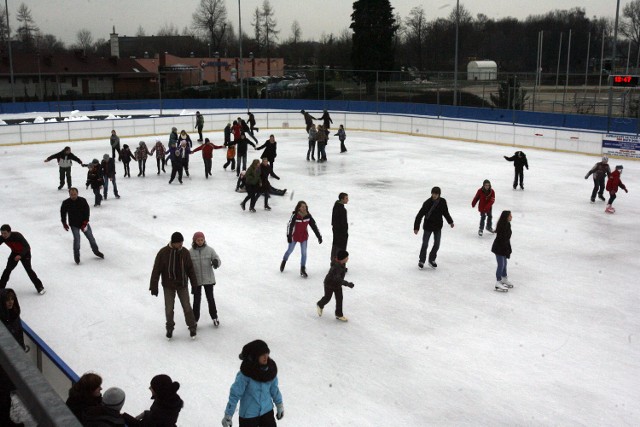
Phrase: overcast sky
[63,18]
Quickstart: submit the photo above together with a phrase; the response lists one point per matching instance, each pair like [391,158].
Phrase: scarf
[258,373]
[176,266]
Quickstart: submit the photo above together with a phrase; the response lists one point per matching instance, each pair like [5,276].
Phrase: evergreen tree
[510,95]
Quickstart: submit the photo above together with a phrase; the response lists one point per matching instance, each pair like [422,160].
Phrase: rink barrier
[134,129]
[31,375]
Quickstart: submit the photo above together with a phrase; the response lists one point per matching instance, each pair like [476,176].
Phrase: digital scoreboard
[624,80]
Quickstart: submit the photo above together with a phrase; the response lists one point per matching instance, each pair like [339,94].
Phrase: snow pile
[39,119]
[112,117]
[76,118]
[52,120]
[186,113]
[2,122]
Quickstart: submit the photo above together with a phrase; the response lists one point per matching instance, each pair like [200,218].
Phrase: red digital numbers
[625,81]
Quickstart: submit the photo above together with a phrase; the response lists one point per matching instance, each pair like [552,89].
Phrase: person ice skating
[64,158]
[125,157]
[141,156]
[108,166]
[205,260]
[599,171]
[333,283]
[308,119]
[340,225]
[256,388]
[252,122]
[252,180]
[502,249]
[173,264]
[107,414]
[312,136]
[433,209]
[175,155]
[613,183]
[95,181]
[199,125]
[77,210]
[173,137]
[246,129]
[297,233]
[160,152]
[207,155]
[326,122]
[166,406]
[185,152]
[184,137]
[241,149]
[321,138]
[342,136]
[265,185]
[114,141]
[20,252]
[85,394]
[270,147]
[519,160]
[485,198]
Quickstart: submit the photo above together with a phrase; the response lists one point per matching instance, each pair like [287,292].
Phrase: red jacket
[207,149]
[236,129]
[614,182]
[486,200]
[297,228]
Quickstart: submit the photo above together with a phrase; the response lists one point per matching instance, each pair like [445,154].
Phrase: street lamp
[209,47]
[13,95]
[217,56]
[455,66]
[240,68]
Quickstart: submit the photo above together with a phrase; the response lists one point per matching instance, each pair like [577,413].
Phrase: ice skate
[319,310]
[500,287]
[216,322]
[420,265]
[610,209]
[433,264]
[342,318]
[480,232]
[601,197]
[192,334]
[282,264]
[505,281]
[169,334]
[303,272]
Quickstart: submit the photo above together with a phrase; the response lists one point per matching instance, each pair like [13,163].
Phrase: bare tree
[270,33]
[84,40]
[50,43]
[630,27]
[296,32]
[168,29]
[416,34]
[257,30]
[141,32]
[27,26]
[465,16]
[3,27]
[211,18]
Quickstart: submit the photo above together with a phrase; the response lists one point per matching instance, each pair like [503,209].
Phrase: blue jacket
[256,398]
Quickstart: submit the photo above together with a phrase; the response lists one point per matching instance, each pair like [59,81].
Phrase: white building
[482,70]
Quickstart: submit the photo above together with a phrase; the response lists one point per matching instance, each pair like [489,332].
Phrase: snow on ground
[422,347]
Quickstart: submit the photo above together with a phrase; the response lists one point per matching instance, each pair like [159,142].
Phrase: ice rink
[422,347]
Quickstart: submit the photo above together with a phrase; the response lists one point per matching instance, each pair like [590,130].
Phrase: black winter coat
[94,177]
[11,318]
[163,413]
[502,243]
[334,279]
[241,145]
[18,245]
[108,168]
[519,162]
[339,224]
[434,221]
[78,211]
[80,403]
[265,171]
[269,150]
[102,416]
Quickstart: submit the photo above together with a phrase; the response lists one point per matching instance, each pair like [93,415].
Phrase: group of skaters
[319,136]
[599,172]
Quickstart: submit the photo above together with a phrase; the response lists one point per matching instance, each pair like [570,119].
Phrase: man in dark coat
[519,160]
[64,158]
[20,252]
[108,166]
[270,147]
[599,171]
[77,210]
[433,209]
[340,225]
[326,122]
[173,264]
[199,125]
[241,152]
[265,187]
[308,119]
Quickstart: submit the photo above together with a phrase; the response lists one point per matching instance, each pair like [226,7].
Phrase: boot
[282,264]
[303,272]
[500,287]
[505,281]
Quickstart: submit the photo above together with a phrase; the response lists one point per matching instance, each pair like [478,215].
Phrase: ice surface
[422,347]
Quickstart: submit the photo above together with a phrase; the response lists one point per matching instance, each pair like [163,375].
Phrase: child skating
[333,283]
[613,184]
[485,197]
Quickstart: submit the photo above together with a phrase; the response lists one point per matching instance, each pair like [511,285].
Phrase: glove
[289,239]
[279,411]
[586,177]
[350,284]
[320,240]
[66,226]
[216,263]
[154,292]
[87,187]
[84,225]
[626,191]
[226,421]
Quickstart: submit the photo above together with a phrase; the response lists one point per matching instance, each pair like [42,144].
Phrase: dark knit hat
[113,398]
[105,157]
[252,351]
[5,227]
[95,161]
[177,237]
[164,386]
[342,254]
[619,167]
[198,234]
[435,190]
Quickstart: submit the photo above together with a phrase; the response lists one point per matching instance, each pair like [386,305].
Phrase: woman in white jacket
[205,260]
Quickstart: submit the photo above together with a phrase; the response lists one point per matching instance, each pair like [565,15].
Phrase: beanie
[5,227]
[95,161]
[198,234]
[177,237]
[252,351]
[163,386]
[105,157]
[342,254]
[435,190]
[141,143]
[113,398]
[206,140]
[619,167]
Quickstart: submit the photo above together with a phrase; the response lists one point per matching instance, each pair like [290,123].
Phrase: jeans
[242,163]
[169,302]
[425,243]
[303,249]
[113,151]
[142,163]
[311,150]
[76,239]
[232,162]
[98,196]
[322,155]
[26,263]
[488,216]
[65,172]
[106,187]
[199,133]
[598,187]
[197,297]
[343,147]
[501,271]
[176,168]
[327,297]
[252,196]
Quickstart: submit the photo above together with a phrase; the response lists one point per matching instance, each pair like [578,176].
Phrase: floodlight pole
[13,94]
[455,61]
[240,65]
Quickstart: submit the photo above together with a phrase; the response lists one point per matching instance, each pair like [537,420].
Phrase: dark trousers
[6,387]
[519,175]
[322,154]
[232,162]
[185,165]
[327,297]
[598,188]
[311,150]
[113,152]
[127,169]
[169,302]
[242,163]
[200,133]
[98,196]
[65,172]
[489,218]
[265,420]
[161,162]
[26,263]
[197,297]
[343,147]
[176,168]
[425,243]
[339,243]
[252,195]
[612,197]
[142,163]
[207,167]
[76,239]
[106,186]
